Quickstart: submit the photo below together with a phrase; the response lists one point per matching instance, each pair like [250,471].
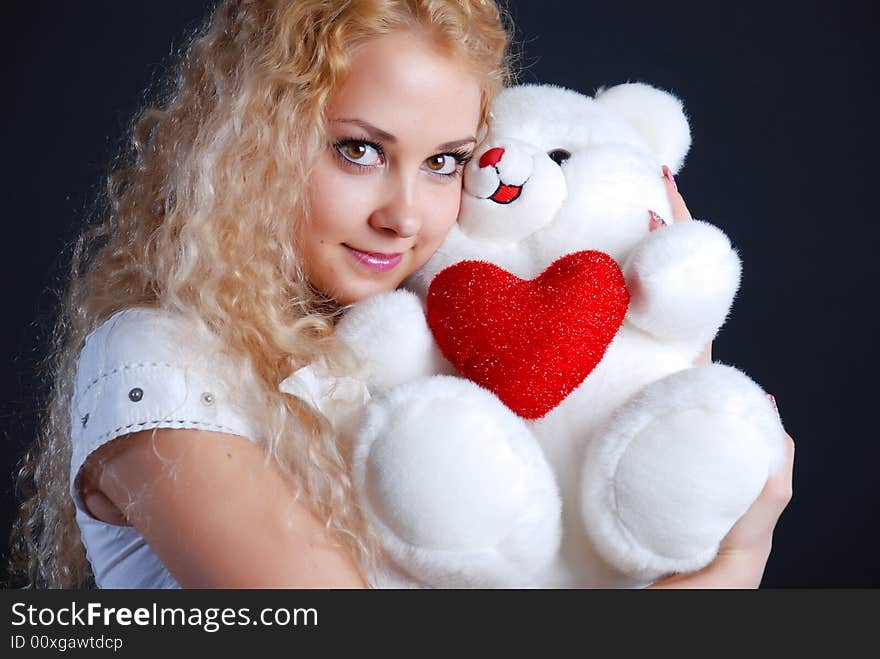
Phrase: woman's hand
[744,551]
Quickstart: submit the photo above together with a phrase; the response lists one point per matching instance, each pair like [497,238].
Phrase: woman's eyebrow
[450,146]
[380,135]
[374,132]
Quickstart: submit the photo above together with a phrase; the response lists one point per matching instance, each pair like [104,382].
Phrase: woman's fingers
[780,485]
[754,530]
[704,357]
[680,212]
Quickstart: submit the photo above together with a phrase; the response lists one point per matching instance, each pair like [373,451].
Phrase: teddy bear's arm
[682,281]
[390,336]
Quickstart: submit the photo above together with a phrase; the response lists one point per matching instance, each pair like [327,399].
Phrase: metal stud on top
[135,395]
[208,398]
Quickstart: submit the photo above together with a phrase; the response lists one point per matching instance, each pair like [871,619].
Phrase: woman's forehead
[405,85]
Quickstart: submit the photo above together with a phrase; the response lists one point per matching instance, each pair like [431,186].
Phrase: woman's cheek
[339,199]
[447,209]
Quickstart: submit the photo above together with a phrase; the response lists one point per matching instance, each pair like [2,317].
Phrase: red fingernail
[667,174]
[656,222]
[773,403]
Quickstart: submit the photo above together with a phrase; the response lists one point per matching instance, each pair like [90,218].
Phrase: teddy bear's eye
[559,156]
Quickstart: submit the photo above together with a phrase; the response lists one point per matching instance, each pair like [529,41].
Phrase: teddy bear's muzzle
[504,194]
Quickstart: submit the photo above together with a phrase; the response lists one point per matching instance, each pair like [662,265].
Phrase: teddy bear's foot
[677,465]
[456,485]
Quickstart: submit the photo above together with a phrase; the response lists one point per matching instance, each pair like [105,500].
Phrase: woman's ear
[657,115]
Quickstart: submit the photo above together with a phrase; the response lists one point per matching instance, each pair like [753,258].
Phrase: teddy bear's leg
[456,485]
[676,466]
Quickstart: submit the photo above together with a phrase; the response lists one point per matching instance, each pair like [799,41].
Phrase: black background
[783,104]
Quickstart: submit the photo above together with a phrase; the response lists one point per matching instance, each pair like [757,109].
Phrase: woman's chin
[355,291]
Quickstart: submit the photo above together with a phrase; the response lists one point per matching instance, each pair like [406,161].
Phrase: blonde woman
[309,156]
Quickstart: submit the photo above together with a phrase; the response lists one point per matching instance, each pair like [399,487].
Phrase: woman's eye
[442,163]
[360,153]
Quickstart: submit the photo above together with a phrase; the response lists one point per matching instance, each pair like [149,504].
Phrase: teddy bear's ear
[657,115]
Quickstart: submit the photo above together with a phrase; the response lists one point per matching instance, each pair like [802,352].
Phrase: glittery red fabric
[532,342]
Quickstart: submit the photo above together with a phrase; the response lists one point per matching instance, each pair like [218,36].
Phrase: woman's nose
[399,213]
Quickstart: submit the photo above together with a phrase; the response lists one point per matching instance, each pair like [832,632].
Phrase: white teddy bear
[634,467]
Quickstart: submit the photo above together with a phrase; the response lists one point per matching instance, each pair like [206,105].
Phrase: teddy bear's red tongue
[532,342]
[506,193]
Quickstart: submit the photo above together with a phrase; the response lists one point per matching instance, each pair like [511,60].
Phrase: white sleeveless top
[144,369]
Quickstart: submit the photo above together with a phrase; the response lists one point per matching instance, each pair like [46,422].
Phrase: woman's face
[386,190]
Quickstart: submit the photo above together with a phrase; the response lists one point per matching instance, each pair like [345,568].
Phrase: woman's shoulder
[158,360]
[147,334]
[144,369]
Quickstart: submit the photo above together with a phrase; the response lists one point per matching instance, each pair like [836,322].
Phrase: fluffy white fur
[666,476]
[394,352]
[658,116]
[692,256]
[652,460]
[429,461]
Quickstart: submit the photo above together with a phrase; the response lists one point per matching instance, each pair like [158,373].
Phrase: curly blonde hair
[197,223]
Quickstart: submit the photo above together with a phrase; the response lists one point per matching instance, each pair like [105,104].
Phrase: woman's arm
[217,513]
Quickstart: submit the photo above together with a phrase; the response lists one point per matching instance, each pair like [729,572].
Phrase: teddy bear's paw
[677,465]
[456,485]
[682,281]
[390,337]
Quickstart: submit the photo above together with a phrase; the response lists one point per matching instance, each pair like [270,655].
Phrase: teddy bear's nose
[492,157]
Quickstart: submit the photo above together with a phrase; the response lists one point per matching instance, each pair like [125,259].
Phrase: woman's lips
[376,260]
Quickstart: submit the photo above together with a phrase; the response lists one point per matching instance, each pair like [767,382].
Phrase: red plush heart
[532,342]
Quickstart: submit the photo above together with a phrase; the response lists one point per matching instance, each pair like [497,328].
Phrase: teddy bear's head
[550,149]
[559,172]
